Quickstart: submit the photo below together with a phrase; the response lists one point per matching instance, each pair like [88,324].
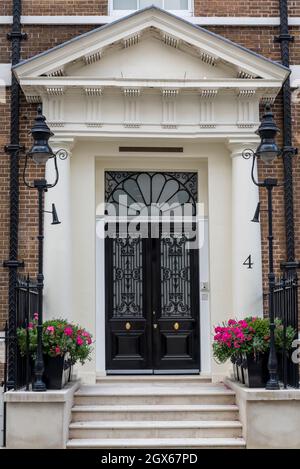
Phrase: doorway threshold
[152,372]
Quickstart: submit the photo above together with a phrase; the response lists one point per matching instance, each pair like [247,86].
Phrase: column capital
[237,146]
[65,143]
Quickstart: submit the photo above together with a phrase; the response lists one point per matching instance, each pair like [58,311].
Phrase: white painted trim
[100,296]
[200,20]
[5,74]
[295,76]
[82,82]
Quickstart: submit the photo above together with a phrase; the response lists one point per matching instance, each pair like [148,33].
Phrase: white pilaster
[57,247]
[246,238]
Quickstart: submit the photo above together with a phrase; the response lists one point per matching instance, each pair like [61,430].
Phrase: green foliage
[249,335]
[59,337]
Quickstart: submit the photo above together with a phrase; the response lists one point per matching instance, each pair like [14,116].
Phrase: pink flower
[68,331]
[79,341]
[57,350]
[231,322]
[89,340]
[51,329]
[243,324]
[30,325]
[236,344]
[36,316]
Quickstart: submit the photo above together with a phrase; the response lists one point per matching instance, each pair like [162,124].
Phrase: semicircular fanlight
[139,189]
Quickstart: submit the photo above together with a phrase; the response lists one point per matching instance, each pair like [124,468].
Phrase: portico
[196,91]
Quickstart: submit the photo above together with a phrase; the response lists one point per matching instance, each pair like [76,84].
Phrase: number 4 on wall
[248,262]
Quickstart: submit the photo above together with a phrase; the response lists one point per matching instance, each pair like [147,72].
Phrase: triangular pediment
[137,45]
[150,59]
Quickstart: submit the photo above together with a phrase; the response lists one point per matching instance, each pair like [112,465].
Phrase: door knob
[154,326]
[127,326]
[176,326]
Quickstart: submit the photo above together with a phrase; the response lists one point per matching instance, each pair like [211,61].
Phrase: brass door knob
[176,326]
[154,326]
[127,326]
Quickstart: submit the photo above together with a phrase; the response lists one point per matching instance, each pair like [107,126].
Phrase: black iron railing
[26,306]
[286,309]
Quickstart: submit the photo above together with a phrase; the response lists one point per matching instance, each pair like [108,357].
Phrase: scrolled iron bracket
[62,154]
[248,153]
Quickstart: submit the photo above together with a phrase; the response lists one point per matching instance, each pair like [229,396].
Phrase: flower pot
[240,369]
[55,374]
[255,370]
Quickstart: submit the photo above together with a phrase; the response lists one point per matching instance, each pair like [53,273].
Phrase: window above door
[177,7]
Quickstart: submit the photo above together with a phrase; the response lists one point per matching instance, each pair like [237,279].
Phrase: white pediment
[150,73]
[150,59]
[173,31]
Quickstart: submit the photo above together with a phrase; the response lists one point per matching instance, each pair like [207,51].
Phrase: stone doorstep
[59,395]
[261,394]
[157,443]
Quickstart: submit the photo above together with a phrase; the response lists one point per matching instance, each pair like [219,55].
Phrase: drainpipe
[289,151]
[13,149]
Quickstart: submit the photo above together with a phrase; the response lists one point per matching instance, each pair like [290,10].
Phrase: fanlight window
[165,194]
[183,6]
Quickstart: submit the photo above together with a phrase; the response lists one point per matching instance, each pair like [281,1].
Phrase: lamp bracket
[62,154]
[248,153]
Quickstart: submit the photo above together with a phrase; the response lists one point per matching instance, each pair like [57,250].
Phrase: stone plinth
[39,420]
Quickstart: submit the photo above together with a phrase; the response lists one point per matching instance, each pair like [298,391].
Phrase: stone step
[104,395]
[215,443]
[154,412]
[155,429]
[157,379]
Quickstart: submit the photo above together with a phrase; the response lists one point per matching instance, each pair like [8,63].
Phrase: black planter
[240,369]
[255,370]
[56,372]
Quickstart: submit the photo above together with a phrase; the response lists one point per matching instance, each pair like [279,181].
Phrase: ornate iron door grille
[152,280]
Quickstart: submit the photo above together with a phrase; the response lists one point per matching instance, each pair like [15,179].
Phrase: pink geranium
[79,341]
[36,316]
[57,350]
[51,329]
[68,331]
[30,325]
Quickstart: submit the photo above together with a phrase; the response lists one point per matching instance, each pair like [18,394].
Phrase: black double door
[152,304]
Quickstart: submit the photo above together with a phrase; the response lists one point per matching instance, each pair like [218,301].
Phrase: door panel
[128,336]
[176,338]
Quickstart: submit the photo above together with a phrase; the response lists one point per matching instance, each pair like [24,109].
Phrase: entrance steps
[156,412]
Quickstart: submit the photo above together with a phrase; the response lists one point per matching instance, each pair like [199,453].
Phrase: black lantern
[268,149]
[41,151]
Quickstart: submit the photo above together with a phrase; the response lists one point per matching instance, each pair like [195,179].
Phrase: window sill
[121,13]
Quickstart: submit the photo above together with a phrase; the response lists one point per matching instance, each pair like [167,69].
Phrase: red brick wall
[4,205]
[235,8]
[65,7]
[57,7]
